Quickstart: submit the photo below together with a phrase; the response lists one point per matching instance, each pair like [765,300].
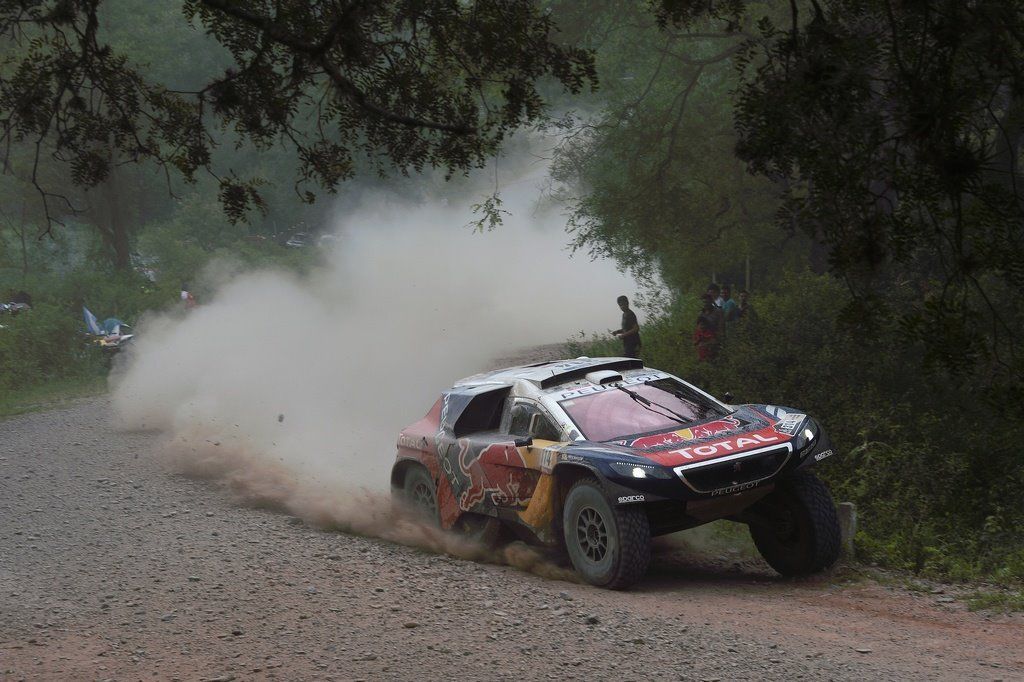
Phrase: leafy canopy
[897,129]
[407,83]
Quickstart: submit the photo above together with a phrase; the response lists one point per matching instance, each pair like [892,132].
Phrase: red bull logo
[497,471]
[709,430]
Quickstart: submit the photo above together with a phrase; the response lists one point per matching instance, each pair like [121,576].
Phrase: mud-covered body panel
[686,476]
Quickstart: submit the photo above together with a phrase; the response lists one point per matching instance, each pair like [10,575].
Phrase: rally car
[600,454]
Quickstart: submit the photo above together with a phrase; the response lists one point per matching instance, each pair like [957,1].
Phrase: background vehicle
[600,454]
[110,335]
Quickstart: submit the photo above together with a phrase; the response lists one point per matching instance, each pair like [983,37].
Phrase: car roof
[546,374]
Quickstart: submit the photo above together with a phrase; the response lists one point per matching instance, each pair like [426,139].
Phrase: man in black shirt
[630,331]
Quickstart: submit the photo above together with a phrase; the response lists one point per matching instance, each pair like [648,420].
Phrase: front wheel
[608,546]
[795,527]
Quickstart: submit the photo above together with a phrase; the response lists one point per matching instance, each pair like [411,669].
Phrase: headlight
[634,470]
[807,437]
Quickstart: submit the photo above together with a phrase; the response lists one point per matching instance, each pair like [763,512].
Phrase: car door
[531,429]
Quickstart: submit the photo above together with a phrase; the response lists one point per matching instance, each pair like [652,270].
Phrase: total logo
[728,445]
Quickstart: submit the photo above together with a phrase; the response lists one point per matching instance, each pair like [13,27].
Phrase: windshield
[619,411]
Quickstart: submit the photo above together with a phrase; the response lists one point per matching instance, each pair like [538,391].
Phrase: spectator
[744,310]
[729,306]
[630,330]
[705,337]
[187,298]
[716,295]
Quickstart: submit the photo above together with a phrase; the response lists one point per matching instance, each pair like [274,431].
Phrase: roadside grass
[50,394]
[1001,601]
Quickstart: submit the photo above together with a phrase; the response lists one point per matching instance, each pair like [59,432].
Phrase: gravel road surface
[113,567]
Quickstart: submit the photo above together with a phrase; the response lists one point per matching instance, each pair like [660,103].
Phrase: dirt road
[111,567]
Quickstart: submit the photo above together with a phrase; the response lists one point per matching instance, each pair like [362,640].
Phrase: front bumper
[732,474]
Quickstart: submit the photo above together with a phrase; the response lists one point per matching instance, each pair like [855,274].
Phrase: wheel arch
[566,474]
[401,469]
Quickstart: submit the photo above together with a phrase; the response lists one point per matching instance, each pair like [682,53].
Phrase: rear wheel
[795,527]
[480,528]
[420,494]
[608,546]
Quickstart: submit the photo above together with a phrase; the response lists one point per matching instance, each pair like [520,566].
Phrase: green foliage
[43,344]
[897,131]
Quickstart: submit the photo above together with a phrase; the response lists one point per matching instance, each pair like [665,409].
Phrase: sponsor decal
[626,499]
[405,441]
[734,488]
[709,430]
[492,471]
[568,457]
[587,390]
[790,423]
[547,460]
[822,455]
[725,446]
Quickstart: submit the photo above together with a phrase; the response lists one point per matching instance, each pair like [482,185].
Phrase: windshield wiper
[646,404]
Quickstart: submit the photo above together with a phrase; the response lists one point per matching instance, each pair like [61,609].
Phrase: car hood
[749,428]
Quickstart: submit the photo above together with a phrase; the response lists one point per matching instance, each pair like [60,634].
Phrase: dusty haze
[293,389]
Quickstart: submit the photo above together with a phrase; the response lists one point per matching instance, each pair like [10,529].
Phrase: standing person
[187,298]
[744,310]
[630,330]
[716,295]
[729,307]
[705,337]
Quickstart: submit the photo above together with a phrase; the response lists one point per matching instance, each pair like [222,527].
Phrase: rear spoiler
[579,372]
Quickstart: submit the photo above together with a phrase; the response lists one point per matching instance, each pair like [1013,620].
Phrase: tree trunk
[116,221]
[110,218]
[24,247]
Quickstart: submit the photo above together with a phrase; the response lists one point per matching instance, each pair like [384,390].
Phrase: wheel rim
[592,534]
[423,496]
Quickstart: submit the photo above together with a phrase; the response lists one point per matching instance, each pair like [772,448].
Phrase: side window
[520,423]
[524,414]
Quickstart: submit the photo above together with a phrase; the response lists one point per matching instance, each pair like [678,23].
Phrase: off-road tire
[623,557]
[419,493]
[795,527]
[484,530]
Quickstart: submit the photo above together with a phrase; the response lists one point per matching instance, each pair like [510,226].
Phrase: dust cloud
[292,389]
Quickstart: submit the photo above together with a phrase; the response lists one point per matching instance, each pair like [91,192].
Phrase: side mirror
[523,442]
[728,397]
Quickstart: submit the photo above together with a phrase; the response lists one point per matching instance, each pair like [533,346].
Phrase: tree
[407,83]
[656,182]
[897,127]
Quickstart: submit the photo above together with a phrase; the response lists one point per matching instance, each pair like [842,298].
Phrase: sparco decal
[625,499]
[729,445]
[734,488]
[822,455]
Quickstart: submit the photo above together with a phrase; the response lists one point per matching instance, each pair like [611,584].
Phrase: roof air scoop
[602,377]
